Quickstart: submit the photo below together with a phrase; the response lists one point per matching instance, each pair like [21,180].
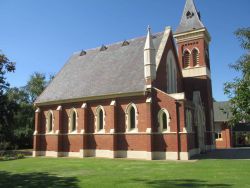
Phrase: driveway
[232,153]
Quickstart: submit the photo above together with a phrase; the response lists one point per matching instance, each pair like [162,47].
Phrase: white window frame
[97,123]
[70,121]
[48,121]
[160,121]
[128,125]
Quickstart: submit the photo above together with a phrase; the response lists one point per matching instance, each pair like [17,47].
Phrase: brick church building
[140,98]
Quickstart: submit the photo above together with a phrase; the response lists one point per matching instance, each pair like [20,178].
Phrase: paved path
[233,153]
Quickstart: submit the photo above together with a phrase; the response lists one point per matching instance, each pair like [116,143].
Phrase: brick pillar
[82,129]
[56,129]
[113,128]
[149,127]
[36,141]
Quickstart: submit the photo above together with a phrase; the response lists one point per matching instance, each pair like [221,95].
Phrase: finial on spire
[149,28]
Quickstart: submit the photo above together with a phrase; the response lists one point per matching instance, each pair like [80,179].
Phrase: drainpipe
[178,130]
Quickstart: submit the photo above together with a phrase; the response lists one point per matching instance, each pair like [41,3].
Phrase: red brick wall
[225,141]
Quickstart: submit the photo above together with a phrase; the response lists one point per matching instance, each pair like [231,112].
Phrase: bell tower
[193,43]
[193,40]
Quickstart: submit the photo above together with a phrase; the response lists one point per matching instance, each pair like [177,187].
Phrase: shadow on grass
[181,183]
[232,153]
[37,179]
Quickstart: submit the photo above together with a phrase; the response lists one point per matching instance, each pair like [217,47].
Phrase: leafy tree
[239,89]
[36,85]
[6,107]
[23,120]
[24,97]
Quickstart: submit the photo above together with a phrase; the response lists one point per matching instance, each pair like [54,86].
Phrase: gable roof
[190,19]
[222,111]
[115,70]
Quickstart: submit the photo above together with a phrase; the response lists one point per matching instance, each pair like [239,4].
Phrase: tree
[239,89]
[23,98]
[23,120]
[36,85]
[6,107]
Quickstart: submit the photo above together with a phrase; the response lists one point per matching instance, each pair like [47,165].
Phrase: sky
[41,35]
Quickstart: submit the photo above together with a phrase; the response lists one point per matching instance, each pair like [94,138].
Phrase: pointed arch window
[163,120]
[49,121]
[189,120]
[186,59]
[131,118]
[73,117]
[100,120]
[171,73]
[195,55]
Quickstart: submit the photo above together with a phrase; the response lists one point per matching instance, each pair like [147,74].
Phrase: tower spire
[149,59]
[190,19]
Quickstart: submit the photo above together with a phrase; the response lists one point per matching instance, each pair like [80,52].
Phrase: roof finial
[149,28]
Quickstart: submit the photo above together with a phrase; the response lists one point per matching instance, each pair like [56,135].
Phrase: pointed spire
[149,59]
[149,40]
[190,18]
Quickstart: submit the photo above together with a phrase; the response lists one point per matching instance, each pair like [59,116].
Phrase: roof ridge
[116,43]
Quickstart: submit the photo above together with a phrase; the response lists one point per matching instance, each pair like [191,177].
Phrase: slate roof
[115,70]
[222,111]
[190,18]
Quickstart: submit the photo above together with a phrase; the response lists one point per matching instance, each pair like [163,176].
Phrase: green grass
[93,172]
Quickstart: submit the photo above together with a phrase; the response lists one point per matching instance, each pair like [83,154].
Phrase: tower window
[189,14]
[186,59]
[195,57]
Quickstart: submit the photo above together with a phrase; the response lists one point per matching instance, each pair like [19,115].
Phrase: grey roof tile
[222,111]
[118,69]
[190,18]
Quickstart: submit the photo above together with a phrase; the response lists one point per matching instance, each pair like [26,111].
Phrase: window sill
[73,132]
[102,131]
[134,130]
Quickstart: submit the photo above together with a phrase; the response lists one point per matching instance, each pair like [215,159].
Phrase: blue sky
[41,35]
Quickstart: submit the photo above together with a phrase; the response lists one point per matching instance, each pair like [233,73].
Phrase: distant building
[139,98]
[229,136]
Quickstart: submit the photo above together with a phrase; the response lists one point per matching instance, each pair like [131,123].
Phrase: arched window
[131,118]
[195,54]
[171,73]
[189,120]
[73,120]
[186,59]
[49,121]
[100,116]
[163,120]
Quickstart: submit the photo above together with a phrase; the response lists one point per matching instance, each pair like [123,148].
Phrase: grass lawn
[93,172]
